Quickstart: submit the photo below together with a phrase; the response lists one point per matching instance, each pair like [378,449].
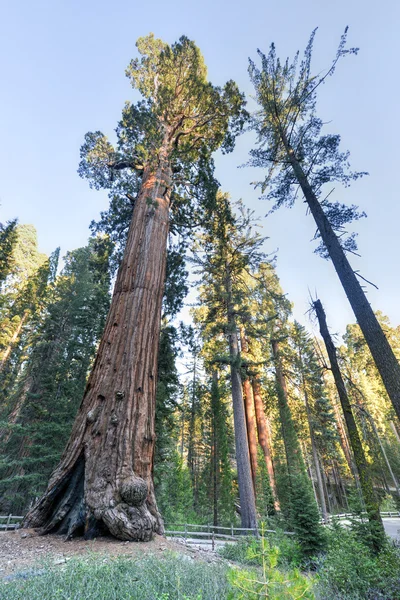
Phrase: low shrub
[349,571]
[245,551]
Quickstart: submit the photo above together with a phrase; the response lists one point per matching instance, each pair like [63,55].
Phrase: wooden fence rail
[8,524]
[210,532]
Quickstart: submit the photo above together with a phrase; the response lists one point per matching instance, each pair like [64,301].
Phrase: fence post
[185,532]
[8,521]
[232,529]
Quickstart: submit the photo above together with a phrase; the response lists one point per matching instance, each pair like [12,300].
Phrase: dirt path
[21,549]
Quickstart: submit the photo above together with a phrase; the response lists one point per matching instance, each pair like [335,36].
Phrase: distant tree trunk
[214,450]
[263,438]
[191,444]
[104,480]
[371,504]
[394,429]
[290,441]
[382,353]
[315,456]
[383,451]
[13,340]
[248,511]
[309,470]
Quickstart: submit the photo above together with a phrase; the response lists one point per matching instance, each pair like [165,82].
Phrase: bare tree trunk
[264,438]
[104,480]
[382,353]
[371,504]
[248,511]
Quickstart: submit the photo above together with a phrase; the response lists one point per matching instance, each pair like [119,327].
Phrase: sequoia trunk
[104,480]
[263,438]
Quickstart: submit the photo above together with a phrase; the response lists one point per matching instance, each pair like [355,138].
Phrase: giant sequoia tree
[104,479]
[296,154]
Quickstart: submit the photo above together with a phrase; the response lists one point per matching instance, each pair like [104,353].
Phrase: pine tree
[8,240]
[296,153]
[45,396]
[223,253]
[300,505]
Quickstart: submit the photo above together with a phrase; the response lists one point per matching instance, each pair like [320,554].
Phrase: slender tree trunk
[371,504]
[310,473]
[214,449]
[290,441]
[313,443]
[394,429]
[13,340]
[264,438]
[104,480]
[13,417]
[382,353]
[248,511]
[191,444]
[315,457]
[383,451]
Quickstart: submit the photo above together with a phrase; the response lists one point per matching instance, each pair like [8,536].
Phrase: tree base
[126,513]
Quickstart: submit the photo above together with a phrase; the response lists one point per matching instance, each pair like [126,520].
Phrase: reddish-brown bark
[264,438]
[104,479]
[251,427]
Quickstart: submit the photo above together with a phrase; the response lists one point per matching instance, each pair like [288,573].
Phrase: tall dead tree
[370,500]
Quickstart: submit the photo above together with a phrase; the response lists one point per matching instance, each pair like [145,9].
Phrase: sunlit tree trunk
[264,438]
[104,480]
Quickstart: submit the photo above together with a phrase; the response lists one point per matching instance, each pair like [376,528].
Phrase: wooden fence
[11,522]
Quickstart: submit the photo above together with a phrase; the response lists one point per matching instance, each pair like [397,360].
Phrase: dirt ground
[21,549]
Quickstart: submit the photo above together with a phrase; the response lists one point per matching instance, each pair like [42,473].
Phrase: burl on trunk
[104,480]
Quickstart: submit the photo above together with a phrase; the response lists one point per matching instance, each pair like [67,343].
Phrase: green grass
[173,577]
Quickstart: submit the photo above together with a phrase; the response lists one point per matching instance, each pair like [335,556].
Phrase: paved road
[392,527]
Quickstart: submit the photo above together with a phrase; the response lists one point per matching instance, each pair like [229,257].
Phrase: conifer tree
[226,250]
[163,141]
[296,154]
[8,239]
[44,398]
[300,505]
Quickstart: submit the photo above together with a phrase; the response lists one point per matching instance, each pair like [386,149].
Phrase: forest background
[62,70]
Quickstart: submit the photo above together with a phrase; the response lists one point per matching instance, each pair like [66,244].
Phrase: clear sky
[62,68]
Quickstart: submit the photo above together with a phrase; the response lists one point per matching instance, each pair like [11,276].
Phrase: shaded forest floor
[20,550]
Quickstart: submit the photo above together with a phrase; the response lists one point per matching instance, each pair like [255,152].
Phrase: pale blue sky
[62,73]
